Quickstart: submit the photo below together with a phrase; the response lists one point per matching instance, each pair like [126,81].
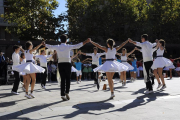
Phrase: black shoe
[97,85]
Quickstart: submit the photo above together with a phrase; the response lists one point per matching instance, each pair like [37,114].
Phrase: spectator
[2,63]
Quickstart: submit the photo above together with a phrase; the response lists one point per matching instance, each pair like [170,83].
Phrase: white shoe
[120,81]
[16,93]
[27,96]
[163,87]
[77,82]
[31,95]
[112,96]
[43,87]
[159,85]
[64,98]
[148,92]
[67,96]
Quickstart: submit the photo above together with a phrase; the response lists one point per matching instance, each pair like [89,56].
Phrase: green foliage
[120,19]
[31,19]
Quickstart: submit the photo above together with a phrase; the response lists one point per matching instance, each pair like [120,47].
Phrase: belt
[109,60]
[29,61]
[158,56]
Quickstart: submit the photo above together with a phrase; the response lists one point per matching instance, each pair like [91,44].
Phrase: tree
[31,19]
[101,19]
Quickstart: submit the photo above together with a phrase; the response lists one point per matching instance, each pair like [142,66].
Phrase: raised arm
[133,42]
[118,54]
[85,60]
[119,47]
[75,55]
[131,52]
[37,47]
[177,58]
[99,46]
[21,49]
[83,53]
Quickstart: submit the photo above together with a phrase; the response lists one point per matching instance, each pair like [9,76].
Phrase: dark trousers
[147,66]
[43,77]
[95,74]
[65,73]
[16,82]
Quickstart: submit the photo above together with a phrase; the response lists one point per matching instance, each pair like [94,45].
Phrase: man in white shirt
[16,61]
[43,63]
[95,63]
[64,63]
[147,53]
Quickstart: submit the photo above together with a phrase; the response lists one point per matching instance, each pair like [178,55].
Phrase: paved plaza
[89,104]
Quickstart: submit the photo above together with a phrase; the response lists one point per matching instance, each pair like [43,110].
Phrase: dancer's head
[63,38]
[22,56]
[29,45]
[162,43]
[170,56]
[43,52]
[95,50]
[16,48]
[124,51]
[133,56]
[144,37]
[110,43]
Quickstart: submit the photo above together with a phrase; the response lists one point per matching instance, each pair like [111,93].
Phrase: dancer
[133,72]
[95,63]
[140,69]
[119,60]
[124,55]
[64,63]
[178,68]
[29,68]
[111,65]
[16,61]
[147,52]
[159,63]
[43,63]
[170,68]
[23,60]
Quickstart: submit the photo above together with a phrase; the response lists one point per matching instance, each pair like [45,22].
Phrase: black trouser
[65,73]
[43,77]
[16,82]
[147,66]
[95,74]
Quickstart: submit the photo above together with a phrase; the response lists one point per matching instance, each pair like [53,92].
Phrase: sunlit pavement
[87,103]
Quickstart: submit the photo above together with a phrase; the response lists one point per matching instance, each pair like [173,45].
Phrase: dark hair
[42,51]
[95,48]
[162,42]
[63,38]
[16,47]
[124,49]
[28,43]
[170,56]
[22,54]
[145,36]
[110,42]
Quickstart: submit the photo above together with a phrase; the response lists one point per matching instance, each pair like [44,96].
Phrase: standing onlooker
[49,71]
[2,63]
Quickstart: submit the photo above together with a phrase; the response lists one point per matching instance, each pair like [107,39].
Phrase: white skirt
[130,67]
[177,69]
[140,68]
[28,68]
[111,66]
[161,62]
[169,67]
[73,69]
[22,73]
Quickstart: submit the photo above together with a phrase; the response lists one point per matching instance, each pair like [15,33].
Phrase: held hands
[130,40]
[156,40]
[136,48]
[43,43]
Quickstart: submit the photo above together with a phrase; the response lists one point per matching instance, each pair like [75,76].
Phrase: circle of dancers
[24,64]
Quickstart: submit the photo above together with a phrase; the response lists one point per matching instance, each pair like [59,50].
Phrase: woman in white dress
[159,63]
[23,60]
[111,65]
[124,56]
[29,68]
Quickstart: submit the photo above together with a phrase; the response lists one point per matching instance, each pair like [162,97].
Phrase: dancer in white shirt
[111,65]
[16,62]
[147,52]
[64,63]
[43,63]
[124,55]
[159,63]
[95,63]
[29,68]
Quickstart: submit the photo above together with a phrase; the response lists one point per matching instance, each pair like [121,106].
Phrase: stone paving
[89,104]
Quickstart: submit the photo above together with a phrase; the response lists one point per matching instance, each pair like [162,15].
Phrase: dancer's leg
[124,74]
[33,77]
[170,70]
[161,76]
[156,75]
[109,77]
